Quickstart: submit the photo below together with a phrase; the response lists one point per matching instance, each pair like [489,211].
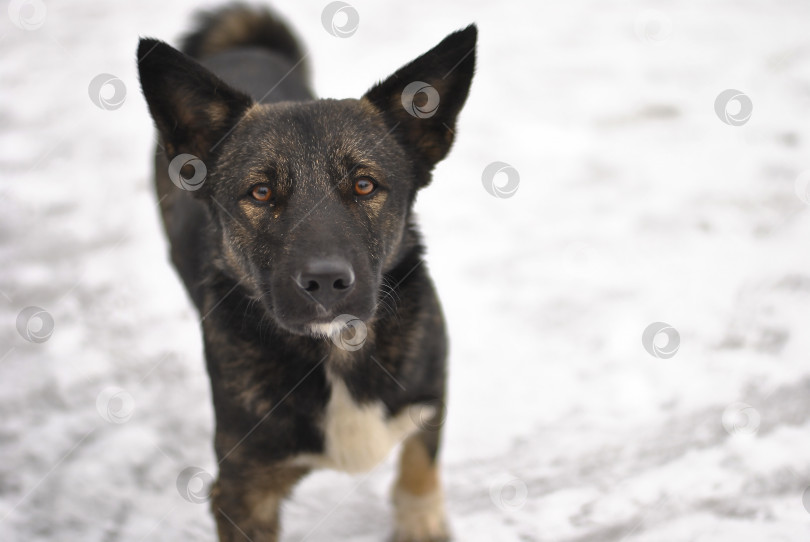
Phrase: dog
[290,224]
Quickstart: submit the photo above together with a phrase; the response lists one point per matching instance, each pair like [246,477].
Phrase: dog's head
[310,200]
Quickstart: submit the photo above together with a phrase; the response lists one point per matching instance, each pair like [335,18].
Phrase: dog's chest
[357,437]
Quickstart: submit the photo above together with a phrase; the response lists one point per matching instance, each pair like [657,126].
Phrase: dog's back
[252,50]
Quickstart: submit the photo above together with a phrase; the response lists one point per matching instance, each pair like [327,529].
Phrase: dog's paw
[420,518]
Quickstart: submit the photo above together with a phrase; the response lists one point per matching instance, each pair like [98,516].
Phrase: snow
[636,205]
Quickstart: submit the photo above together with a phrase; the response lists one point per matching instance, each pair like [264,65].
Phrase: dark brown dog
[290,225]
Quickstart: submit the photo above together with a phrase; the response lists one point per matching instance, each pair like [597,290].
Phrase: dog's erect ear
[421,100]
[192,108]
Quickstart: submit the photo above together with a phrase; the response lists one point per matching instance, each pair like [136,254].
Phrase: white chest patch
[357,437]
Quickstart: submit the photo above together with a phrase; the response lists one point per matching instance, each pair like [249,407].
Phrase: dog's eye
[262,193]
[364,186]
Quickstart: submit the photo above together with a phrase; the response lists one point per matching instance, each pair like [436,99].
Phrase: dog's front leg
[246,504]
[417,495]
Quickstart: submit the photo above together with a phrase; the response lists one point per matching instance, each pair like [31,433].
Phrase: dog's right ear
[192,108]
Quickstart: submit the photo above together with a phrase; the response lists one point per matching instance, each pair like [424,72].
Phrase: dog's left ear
[193,109]
[421,101]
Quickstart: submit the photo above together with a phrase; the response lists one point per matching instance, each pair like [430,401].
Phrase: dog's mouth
[318,322]
[344,327]
[347,332]
[326,329]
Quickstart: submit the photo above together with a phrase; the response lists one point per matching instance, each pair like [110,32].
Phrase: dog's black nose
[326,280]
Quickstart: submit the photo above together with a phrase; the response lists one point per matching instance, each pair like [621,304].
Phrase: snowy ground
[636,205]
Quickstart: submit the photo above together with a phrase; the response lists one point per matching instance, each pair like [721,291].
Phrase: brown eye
[262,193]
[364,186]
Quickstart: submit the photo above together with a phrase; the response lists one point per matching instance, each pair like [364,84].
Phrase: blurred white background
[637,204]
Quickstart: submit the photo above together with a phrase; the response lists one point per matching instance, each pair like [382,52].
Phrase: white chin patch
[329,329]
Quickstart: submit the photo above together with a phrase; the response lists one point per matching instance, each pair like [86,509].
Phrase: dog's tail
[240,25]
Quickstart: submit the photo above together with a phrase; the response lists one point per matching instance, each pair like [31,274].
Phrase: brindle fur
[269,374]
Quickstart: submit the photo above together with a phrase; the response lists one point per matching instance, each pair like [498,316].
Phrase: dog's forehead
[316,126]
[319,141]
